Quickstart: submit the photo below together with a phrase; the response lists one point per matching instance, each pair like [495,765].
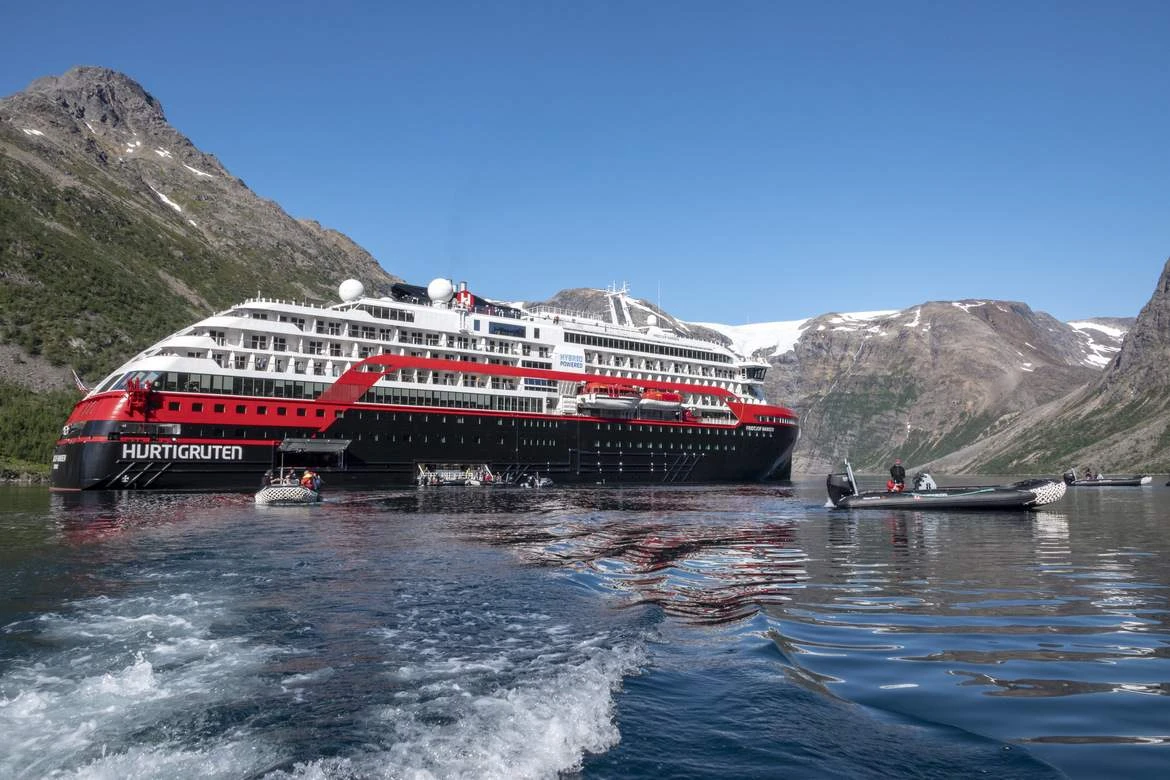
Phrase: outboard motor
[839,486]
[923,481]
[1070,476]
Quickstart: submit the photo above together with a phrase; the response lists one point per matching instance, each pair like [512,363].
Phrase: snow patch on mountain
[774,337]
[1102,341]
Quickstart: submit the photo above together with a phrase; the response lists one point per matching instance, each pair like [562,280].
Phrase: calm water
[602,633]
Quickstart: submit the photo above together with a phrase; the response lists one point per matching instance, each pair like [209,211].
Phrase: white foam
[536,727]
[121,668]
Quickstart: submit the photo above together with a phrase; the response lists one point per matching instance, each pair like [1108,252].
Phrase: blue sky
[734,161]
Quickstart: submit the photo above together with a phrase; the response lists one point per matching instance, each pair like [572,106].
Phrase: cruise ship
[427,385]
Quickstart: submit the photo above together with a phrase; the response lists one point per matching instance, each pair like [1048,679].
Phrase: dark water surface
[731,632]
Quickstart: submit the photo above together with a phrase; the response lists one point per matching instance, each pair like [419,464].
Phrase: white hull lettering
[182,452]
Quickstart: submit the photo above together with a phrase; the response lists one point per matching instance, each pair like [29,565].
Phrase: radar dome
[652,321]
[350,290]
[440,290]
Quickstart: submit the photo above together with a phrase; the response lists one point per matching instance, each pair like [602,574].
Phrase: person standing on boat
[897,476]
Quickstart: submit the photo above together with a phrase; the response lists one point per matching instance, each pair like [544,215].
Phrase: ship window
[261,410]
[197,407]
[339,414]
[220,408]
[300,412]
[280,410]
[173,406]
[241,409]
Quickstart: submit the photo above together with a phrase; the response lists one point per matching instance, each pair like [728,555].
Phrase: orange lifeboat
[663,400]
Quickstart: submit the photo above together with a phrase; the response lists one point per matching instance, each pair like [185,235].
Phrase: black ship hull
[385,449]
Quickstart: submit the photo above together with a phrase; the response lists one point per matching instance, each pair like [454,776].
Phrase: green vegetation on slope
[82,285]
[29,425]
[1052,445]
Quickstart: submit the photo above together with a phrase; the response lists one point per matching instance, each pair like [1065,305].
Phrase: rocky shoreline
[11,476]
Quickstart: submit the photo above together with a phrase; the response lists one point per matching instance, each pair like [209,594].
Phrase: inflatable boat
[925,495]
[1104,480]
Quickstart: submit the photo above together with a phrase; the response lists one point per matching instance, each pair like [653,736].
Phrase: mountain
[107,209]
[921,382]
[1118,422]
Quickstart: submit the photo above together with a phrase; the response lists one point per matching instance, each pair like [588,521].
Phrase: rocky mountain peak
[102,115]
[100,96]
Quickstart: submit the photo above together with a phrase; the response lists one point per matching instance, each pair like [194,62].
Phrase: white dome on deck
[350,290]
[440,290]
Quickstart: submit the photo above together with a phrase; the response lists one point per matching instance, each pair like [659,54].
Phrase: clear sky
[734,161]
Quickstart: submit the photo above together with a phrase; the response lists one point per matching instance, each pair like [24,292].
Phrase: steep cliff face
[1120,421]
[107,209]
[1142,367]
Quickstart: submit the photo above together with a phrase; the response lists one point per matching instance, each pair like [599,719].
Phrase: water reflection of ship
[705,574]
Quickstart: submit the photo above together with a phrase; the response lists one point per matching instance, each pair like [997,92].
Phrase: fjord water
[593,632]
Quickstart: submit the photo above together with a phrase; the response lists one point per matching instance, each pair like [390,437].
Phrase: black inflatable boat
[1102,480]
[1027,494]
